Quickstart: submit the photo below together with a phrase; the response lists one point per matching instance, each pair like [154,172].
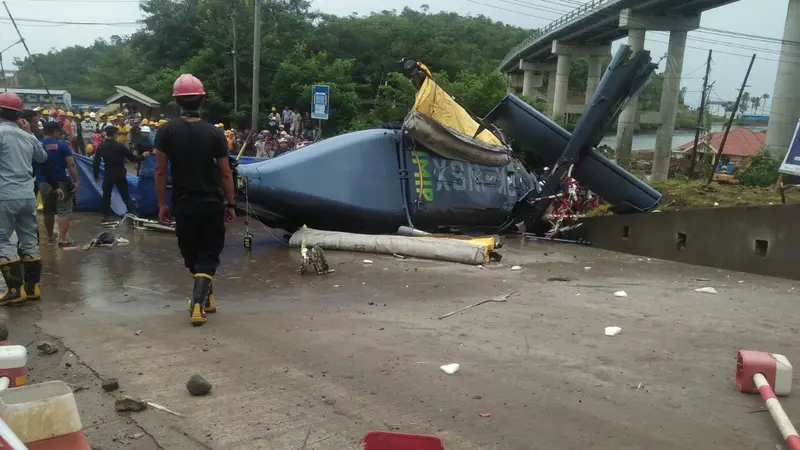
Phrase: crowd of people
[285,132]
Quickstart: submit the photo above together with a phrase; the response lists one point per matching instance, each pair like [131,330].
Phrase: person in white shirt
[297,121]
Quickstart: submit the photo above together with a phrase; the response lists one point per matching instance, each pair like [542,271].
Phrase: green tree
[744,104]
[764,97]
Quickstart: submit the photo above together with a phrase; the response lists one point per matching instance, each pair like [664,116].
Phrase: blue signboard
[791,163]
[320,102]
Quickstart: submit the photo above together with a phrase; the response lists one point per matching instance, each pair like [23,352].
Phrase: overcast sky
[731,54]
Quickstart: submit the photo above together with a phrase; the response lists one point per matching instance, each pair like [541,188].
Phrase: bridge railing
[539,33]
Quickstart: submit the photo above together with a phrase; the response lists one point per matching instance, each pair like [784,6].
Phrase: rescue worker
[62,163]
[78,141]
[18,150]
[87,128]
[143,148]
[45,117]
[114,154]
[202,181]
[273,121]
[123,130]
[103,124]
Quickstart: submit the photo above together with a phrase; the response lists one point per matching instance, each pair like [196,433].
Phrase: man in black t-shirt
[114,155]
[202,179]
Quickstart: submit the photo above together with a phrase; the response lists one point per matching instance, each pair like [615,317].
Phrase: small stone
[138,332]
[47,348]
[3,332]
[477,397]
[129,404]
[198,385]
[330,401]
[110,384]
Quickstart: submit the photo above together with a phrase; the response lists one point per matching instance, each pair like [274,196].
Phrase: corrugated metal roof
[741,142]
[125,91]
[37,91]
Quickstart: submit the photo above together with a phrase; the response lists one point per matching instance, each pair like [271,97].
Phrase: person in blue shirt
[65,172]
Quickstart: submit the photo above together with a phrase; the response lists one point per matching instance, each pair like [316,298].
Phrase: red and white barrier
[769,374]
[14,364]
[42,416]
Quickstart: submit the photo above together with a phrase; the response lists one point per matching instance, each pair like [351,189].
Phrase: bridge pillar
[514,82]
[595,69]
[551,91]
[785,108]
[627,119]
[533,76]
[561,88]
[670,95]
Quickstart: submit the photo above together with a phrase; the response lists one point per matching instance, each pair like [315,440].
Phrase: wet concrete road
[360,349]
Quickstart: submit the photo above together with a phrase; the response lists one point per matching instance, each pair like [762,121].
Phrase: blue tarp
[142,189]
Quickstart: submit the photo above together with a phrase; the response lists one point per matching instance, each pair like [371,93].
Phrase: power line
[56,22]
[509,10]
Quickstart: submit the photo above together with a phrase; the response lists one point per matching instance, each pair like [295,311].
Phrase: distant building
[741,143]
[32,98]
[9,79]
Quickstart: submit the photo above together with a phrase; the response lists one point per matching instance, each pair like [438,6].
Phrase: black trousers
[122,186]
[200,227]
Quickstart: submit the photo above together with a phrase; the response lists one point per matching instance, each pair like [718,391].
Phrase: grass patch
[682,194]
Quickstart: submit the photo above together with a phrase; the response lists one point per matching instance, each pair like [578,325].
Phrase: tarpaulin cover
[437,104]
[142,189]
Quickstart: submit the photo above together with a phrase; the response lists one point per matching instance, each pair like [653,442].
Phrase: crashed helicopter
[445,168]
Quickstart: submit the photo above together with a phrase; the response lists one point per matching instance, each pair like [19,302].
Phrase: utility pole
[33,60]
[700,113]
[256,61]
[235,62]
[730,120]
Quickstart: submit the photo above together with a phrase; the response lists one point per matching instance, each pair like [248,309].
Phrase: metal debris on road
[700,279]
[621,294]
[558,279]
[163,408]
[499,299]
[367,261]
[612,331]
[516,268]
[706,290]
[450,368]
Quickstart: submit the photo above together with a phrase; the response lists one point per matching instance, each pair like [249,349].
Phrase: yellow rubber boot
[202,285]
[12,274]
[33,274]
[211,303]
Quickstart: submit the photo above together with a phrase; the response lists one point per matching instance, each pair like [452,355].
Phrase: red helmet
[187,84]
[10,100]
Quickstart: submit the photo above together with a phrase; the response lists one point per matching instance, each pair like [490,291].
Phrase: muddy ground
[341,354]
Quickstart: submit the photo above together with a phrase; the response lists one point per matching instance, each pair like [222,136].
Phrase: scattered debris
[47,348]
[367,261]
[127,403]
[162,408]
[558,279]
[314,257]
[122,241]
[398,256]
[706,290]
[450,368]
[716,203]
[484,415]
[622,294]
[135,435]
[640,386]
[3,332]
[110,384]
[198,385]
[587,268]
[516,268]
[741,281]
[477,397]
[612,331]
[138,332]
[499,299]
[700,279]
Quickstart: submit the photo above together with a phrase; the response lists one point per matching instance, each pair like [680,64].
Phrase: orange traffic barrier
[43,416]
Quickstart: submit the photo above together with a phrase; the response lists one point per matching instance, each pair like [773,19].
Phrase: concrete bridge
[588,32]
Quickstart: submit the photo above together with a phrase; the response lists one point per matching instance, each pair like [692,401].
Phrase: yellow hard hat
[154,124]
[138,114]
[221,125]
[46,112]
[162,122]
[36,109]
[273,109]
[89,148]
[79,116]
[70,114]
[145,121]
[119,116]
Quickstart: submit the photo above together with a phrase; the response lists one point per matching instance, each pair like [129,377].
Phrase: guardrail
[539,33]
